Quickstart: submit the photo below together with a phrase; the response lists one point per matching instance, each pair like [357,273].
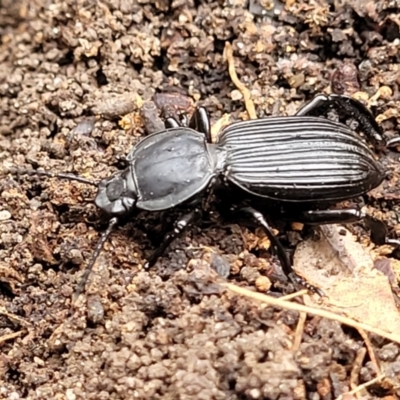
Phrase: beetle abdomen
[299,159]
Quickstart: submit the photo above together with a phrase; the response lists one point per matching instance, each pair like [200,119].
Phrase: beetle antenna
[96,252]
[69,177]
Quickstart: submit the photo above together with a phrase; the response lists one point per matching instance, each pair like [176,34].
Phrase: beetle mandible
[304,163]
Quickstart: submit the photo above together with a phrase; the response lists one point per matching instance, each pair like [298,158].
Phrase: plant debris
[77,79]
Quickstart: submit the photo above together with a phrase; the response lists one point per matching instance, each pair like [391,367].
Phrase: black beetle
[302,163]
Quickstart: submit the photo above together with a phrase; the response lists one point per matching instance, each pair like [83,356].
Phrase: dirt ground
[73,77]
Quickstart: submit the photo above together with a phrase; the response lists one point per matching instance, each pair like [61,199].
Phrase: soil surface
[74,78]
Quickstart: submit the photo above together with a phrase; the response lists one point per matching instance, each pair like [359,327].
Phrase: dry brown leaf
[345,271]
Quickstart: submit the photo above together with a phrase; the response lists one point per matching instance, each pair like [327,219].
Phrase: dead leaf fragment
[345,271]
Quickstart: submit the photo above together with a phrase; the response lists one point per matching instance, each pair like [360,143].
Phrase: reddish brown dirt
[69,72]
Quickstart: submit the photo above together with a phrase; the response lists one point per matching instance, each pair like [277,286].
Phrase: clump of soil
[73,77]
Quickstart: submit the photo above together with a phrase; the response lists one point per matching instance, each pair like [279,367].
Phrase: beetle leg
[99,246]
[180,225]
[200,121]
[393,142]
[276,244]
[171,122]
[184,119]
[316,107]
[346,107]
[321,217]
[379,232]
[279,250]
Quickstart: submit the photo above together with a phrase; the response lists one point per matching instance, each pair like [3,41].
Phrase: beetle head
[117,194]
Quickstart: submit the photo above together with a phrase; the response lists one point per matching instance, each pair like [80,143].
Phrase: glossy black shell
[170,167]
[298,159]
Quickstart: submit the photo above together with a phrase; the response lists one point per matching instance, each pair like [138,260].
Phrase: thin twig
[14,317]
[371,351]
[311,310]
[361,387]
[299,332]
[356,368]
[228,54]
[11,336]
[294,295]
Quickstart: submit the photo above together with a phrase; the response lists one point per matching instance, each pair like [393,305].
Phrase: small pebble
[388,352]
[95,309]
[263,284]
[84,127]
[220,265]
[297,226]
[70,395]
[5,215]
[297,80]
[38,361]
[236,95]
[249,274]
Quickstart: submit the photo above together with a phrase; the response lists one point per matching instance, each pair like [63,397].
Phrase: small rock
[220,265]
[5,215]
[263,284]
[70,395]
[236,95]
[95,309]
[38,361]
